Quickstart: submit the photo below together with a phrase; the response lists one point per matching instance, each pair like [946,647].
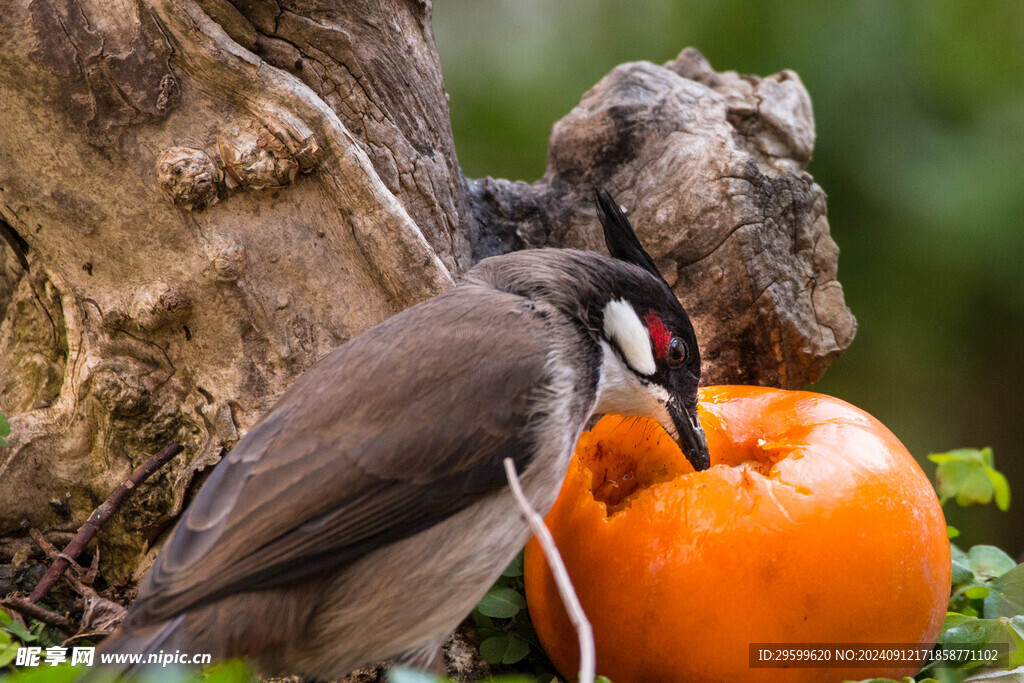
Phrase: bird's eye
[676,353]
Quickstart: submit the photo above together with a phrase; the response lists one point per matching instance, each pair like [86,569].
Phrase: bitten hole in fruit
[626,455]
[629,456]
[750,449]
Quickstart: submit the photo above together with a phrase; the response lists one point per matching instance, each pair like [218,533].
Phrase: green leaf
[988,561]
[1015,628]
[956,454]
[966,631]
[952,532]
[481,620]
[493,649]
[978,575]
[48,674]
[15,628]
[977,593]
[1007,594]
[1001,488]
[969,476]
[953,620]
[966,481]
[5,426]
[485,633]
[230,671]
[503,649]
[47,635]
[515,570]
[980,455]
[501,603]
[962,572]
[8,653]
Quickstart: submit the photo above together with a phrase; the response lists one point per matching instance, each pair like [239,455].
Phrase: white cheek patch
[623,327]
[620,391]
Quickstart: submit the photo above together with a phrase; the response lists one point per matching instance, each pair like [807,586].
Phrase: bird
[368,511]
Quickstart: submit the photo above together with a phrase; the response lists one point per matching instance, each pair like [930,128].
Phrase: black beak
[690,435]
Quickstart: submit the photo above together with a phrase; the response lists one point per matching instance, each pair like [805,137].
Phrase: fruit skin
[813,525]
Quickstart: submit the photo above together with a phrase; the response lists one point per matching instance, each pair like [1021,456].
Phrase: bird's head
[643,339]
[651,363]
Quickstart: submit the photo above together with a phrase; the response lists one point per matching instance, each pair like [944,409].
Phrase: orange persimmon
[813,525]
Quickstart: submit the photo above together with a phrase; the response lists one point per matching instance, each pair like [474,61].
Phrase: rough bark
[201,198]
[712,170]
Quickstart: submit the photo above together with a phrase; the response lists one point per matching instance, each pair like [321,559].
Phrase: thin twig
[94,569]
[34,611]
[77,584]
[79,575]
[562,580]
[100,515]
[48,548]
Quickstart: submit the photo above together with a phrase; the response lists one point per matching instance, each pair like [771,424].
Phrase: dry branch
[573,608]
[33,611]
[711,168]
[98,517]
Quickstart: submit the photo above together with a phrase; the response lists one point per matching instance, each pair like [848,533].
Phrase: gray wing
[385,436]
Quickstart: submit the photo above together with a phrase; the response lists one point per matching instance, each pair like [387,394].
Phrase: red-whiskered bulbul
[368,511]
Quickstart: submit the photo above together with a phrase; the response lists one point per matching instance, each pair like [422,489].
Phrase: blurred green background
[920,119]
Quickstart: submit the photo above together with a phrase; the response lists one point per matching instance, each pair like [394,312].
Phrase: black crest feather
[619,236]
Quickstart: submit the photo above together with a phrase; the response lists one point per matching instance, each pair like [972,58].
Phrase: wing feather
[386,436]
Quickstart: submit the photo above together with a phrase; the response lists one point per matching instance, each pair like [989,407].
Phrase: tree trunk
[199,198]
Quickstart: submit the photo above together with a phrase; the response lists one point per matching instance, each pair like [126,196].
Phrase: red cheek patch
[659,333]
